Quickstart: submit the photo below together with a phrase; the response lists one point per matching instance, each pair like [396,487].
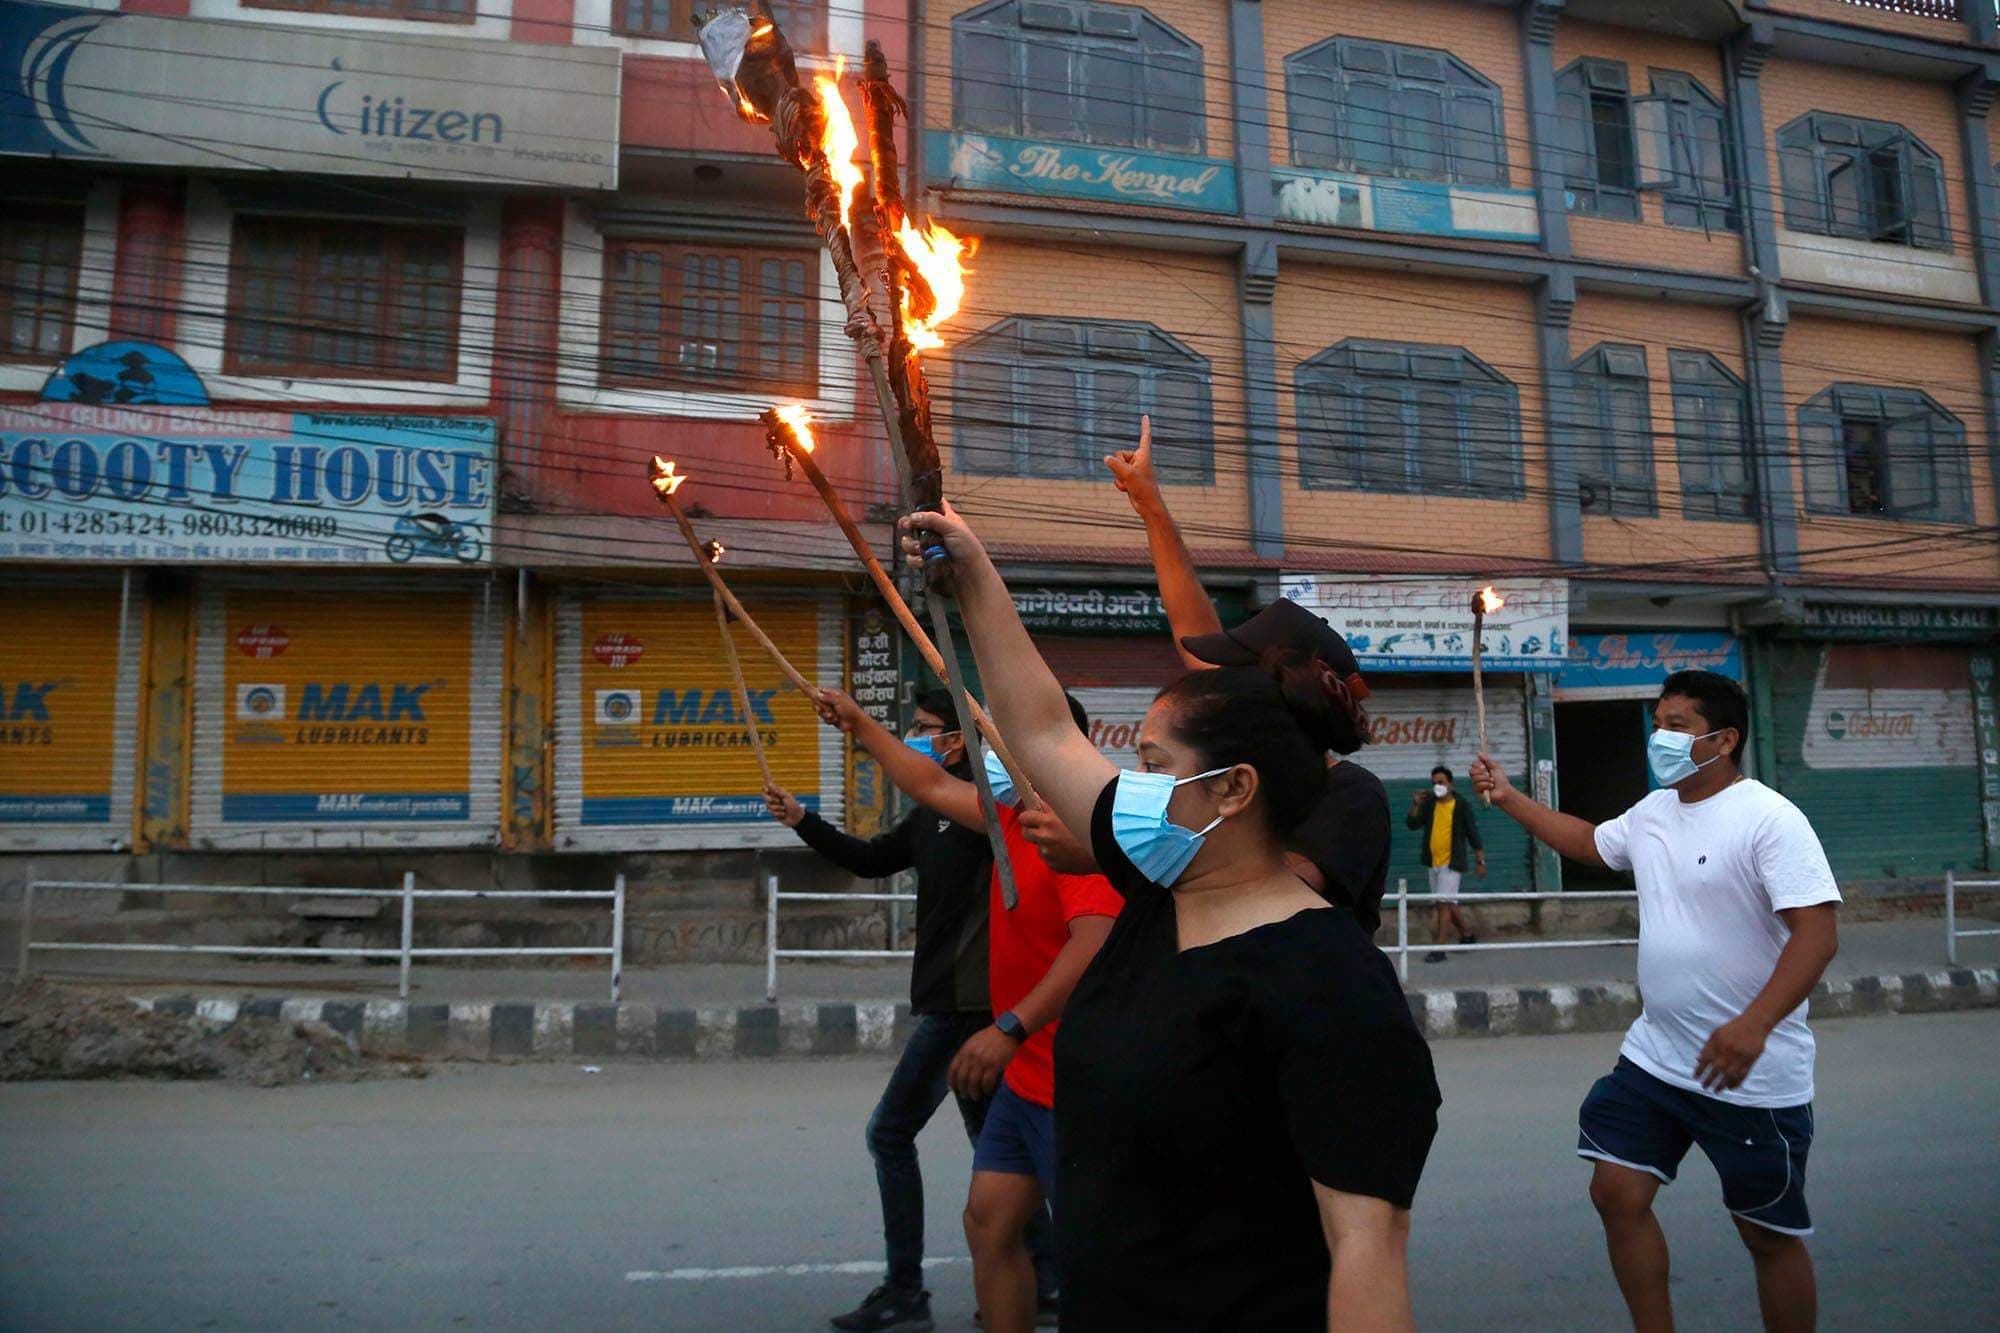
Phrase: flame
[1490,600]
[665,480]
[838,140]
[940,257]
[747,109]
[800,420]
[715,550]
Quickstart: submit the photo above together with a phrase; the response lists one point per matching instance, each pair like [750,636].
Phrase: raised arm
[922,780]
[1189,609]
[1027,702]
[1572,837]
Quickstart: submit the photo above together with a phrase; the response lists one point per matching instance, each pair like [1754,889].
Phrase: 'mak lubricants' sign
[65,747]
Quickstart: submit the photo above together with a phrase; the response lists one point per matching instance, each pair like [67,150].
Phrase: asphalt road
[675,1196]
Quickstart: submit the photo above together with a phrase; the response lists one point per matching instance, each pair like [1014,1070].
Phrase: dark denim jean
[915,1091]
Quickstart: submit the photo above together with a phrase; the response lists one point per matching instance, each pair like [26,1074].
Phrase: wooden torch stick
[665,482]
[784,435]
[742,690]
[1479,600]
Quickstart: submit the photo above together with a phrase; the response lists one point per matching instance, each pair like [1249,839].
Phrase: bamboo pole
[742,689]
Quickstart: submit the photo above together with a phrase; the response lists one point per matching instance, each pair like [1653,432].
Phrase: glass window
[1711,438]
[343,299]
[1703,192]
[1614,431]
[1594,139]
[1035,397]
[704,317]
[41,249]
[430,11]
[1387,110]
[1878,452]
[1866,179]
[1410,418]
[1078,71]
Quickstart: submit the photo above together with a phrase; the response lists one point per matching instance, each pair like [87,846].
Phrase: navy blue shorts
[1635,1120]
[1019,1140]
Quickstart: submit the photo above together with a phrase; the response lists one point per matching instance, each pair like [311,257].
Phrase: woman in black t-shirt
[1245,1105]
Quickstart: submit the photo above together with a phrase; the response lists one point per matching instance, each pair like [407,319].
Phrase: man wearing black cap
[1342,849]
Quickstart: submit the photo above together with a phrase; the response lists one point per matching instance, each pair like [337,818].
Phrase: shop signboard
[124,462]
[1425,624]
[1891,708]
[656,733]
[1986,729]
[1410,207]
[1079,171]
[90,84]
[1117,609]
[68,695]
[874,676]
[347,709]
[1630,664]
[1904,624]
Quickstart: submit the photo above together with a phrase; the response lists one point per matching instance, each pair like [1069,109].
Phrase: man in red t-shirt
[1036,954]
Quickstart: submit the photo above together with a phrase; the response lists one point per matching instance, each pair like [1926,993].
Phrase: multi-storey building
[338,335]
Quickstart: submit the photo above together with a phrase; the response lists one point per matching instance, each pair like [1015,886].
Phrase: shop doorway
[1600,765]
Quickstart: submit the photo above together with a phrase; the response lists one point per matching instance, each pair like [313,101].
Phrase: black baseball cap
[1282,624]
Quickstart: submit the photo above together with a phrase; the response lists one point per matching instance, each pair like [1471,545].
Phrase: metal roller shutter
[1416,728]
[69,710]
[651,750]
[363,713]
[1876,744]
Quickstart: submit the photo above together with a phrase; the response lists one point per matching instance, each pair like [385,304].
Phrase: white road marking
[775,1270]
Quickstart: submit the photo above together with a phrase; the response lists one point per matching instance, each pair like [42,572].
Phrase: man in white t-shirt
[1736,924]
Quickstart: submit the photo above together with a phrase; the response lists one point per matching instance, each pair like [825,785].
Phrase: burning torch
[921,276]
[1484,602]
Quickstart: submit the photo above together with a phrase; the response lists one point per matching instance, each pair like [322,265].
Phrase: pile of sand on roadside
[54,1032]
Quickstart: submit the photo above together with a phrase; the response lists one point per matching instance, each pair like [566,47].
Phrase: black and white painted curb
[560,1030]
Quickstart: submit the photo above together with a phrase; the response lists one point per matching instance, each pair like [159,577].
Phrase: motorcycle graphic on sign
[433,536]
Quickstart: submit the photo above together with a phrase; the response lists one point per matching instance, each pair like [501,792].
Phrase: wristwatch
[1011,1024]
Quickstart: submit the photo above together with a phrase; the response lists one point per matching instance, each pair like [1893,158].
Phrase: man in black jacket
[948,996]
[1449,832]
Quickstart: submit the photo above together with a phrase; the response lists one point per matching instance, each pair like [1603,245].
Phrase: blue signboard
[1078,171]
[1631,663]
[110,468]
[1420,208]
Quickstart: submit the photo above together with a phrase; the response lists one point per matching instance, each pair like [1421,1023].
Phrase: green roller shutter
[1875,743]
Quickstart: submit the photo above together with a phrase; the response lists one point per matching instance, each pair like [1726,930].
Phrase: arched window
[1711,438]
[1869,179]
[1408,417]
[1614,421]
[1869,451]
[1078,71]
[1035,397]
[1390,110]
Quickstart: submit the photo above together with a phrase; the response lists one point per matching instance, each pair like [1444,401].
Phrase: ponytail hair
[1280,717]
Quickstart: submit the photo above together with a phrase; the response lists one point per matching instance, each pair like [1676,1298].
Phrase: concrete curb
[563,1030]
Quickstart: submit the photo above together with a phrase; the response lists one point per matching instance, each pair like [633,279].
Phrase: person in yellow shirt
[1449,830]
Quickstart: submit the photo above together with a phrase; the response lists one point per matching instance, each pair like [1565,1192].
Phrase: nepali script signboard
[1425,624]
[98,84]
[80,482]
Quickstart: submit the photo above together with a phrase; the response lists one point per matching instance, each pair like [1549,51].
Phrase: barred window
[1036,397]
[1408,417]
[314,298]
[430,11]
[1594,144]
[41,249]
[1711,438]
[802,21]
[1868,179]
[1614,422]
[1703,189]
[1389,110]
[707,317]
[1077,71]
[1872,451]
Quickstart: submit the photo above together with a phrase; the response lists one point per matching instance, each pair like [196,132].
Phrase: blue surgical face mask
[997,779]
[1670,754]
[1157,847]
[927,746]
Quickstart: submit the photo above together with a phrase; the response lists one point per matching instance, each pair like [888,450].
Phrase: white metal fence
[772,953]
[403,954]
[1952,934]
[1403,899]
